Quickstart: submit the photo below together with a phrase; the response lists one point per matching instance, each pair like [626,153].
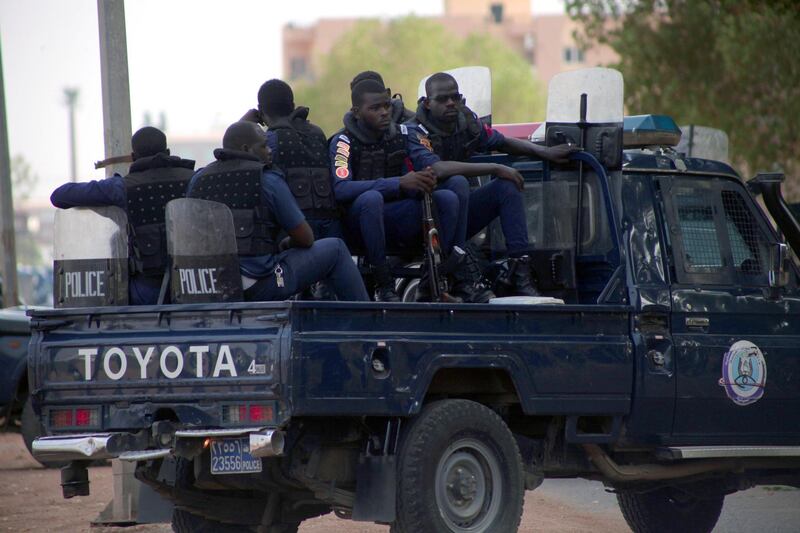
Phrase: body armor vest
[302,154]
[235,180]
[459,145]
[151,184]
[370,159]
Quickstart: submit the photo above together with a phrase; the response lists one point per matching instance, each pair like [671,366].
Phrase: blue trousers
[373,222]
[497,198]
[326,260]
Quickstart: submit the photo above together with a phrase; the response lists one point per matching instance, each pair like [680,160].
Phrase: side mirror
[778,276]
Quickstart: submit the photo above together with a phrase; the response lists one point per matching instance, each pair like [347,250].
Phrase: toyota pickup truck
[663,361]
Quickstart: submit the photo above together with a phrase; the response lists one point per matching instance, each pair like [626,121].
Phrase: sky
[198,61]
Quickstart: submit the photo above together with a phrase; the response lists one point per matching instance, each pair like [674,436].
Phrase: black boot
[384,285]
[521,281]
[468,283]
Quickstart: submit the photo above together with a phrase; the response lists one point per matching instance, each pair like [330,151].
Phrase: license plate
[232,456]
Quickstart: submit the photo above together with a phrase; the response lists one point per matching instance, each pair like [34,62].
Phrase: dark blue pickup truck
[670,372]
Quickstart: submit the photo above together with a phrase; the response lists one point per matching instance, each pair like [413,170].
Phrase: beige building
[545,41]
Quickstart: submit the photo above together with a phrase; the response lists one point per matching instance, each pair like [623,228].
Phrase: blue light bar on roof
[649,130]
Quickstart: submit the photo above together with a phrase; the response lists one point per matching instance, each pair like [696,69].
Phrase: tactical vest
[457,146]
[372,160]
[236,182]
[302,154]
[148,191]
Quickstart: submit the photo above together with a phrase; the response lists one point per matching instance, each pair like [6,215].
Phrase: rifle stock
[433,251]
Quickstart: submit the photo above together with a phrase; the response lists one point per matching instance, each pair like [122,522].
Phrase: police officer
[300,150]
[452,133]
[262,206]
[375,181]
[155,177]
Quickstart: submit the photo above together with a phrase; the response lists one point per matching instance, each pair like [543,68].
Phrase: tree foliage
[728,64]
[406,50]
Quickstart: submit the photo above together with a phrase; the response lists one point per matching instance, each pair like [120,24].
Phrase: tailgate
[179,362]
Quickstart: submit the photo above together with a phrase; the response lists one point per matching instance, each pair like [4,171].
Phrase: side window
[749,246]
[695,217]
[716,238]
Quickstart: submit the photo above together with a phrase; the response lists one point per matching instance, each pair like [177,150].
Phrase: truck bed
[317,358]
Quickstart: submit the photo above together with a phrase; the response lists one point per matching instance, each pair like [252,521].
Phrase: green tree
[23,183]
[406,50]
[728,64]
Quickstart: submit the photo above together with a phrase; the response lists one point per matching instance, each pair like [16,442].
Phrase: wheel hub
[468,486]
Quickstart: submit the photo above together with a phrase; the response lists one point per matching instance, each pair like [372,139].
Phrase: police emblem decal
[744,373]
[424,141]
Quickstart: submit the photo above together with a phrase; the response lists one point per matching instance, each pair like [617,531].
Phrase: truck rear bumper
[264,442]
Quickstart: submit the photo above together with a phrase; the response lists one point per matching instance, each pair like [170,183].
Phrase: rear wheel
[459,470]
[668,510]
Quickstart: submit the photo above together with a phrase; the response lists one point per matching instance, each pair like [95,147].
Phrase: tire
[669,511]
[459,469]
[31,429]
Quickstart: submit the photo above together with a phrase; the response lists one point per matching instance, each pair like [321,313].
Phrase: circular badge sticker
[342,172]
[744,373]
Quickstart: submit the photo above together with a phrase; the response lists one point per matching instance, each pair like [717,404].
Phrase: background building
[545,41]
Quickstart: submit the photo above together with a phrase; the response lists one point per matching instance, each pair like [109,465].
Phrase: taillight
[81,417]
[247,413]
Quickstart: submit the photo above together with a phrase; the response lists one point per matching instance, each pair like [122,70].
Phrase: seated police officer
[451,133]
[300,150]
[154,178]
[262,207]
[374,180]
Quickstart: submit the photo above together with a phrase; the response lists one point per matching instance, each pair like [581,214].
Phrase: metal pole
[9,253]
[71,95]
[114,74]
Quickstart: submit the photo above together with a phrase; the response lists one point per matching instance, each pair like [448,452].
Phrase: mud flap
[376,487]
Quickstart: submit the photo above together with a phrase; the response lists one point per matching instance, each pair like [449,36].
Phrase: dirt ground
[30,500]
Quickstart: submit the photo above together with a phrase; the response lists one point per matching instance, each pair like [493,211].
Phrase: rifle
[433,251]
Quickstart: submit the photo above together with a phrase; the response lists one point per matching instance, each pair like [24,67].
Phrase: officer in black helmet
[155,177]
[262,207]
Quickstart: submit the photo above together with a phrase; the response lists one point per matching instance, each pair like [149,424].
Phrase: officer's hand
[285,244]
[423,180]
[559,153]
[510,174]
[253,115]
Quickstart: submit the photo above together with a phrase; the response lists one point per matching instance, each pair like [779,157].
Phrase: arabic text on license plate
[232,456]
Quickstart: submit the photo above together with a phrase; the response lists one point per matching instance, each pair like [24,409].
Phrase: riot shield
[704,142]
[585,108]
[201,243]
[475,83]
[90,257]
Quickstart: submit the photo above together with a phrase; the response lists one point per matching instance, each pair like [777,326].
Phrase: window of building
[573,54]
[298,67]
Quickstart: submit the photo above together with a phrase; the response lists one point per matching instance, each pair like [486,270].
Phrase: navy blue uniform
[99,193]
[480,206]
[378,211]
[326,259]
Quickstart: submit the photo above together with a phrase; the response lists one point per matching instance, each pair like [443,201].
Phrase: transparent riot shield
[585,108]
[475,83]
[90,257]
[201,243]
[704,142]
